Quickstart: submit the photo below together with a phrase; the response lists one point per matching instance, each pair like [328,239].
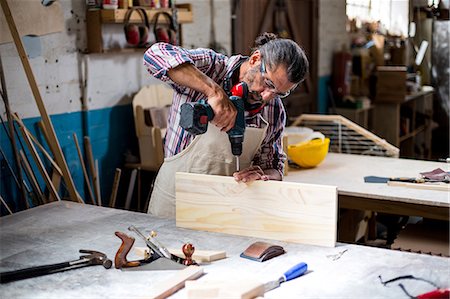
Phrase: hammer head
[96,258]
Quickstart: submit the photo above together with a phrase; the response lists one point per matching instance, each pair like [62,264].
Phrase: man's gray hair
[279,51]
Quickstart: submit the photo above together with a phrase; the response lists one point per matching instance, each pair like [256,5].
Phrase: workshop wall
[332,36]
[89,94]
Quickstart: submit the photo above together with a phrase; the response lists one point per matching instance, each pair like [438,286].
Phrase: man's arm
[188,75]
[183,68]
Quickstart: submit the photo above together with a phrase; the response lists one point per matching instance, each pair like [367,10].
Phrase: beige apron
[208,153]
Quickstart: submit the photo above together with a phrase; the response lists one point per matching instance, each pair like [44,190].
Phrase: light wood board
[426,186]
[232,289]
[176,282]
[291,212]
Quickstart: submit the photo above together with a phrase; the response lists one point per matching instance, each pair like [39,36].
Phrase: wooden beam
[115,188]
[39,102]
[27,167]
[176,282]
[39,164]
[43,150]
[97,184]
[285,211]
[91,163]
[83,167]
[6,205]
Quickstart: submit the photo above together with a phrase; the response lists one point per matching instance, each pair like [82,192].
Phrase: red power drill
[194,118]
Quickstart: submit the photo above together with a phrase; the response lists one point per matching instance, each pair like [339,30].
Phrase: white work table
[347,172]
[55,232]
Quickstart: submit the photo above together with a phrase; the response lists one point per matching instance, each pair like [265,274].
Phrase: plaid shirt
[161,57]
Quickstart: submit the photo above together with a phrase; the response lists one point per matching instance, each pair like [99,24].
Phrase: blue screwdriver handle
[295,271]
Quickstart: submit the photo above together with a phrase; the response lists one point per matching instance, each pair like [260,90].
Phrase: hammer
[91,258]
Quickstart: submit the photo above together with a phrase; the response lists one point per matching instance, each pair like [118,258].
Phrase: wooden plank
[426,186]
[115,188]
[91,163]
[31,177]
[97,184]
[39,102]
[291,212]
[6,205]
[39,164]
[233,289]
[83,168]
[56,181]
[176,282]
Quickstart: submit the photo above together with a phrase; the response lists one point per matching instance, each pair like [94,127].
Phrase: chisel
[294,272]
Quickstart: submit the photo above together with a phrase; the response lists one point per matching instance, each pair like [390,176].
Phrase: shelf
[97,18]
[116,16]
[417,109]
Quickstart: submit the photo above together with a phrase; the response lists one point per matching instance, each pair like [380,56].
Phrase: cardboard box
[391,84]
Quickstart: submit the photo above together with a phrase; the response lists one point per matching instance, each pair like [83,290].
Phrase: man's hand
[224,110]
[253,173]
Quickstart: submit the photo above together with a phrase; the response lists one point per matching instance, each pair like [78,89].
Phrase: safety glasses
[270,85]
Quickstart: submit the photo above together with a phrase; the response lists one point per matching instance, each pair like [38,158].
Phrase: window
[392,14]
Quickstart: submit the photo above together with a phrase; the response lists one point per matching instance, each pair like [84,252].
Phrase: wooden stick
[11,136]
[139,188]
[56,174]
[39,102]
[6,205]
[426,186]
[43,150]
[56,181]
[83,167]
[32,178]
[176,282]
[97,183]
[39,164]
[115,187]
[90,158]
[130,189]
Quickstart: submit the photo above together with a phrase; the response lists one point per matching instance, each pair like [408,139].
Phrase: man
[274,68]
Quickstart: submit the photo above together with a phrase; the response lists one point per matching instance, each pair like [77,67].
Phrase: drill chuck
[236,144]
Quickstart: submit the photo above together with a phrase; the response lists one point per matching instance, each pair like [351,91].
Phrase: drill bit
[237,163]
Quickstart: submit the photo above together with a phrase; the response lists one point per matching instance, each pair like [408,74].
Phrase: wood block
[176,282]
[285,211]
[391,84]
[224,289]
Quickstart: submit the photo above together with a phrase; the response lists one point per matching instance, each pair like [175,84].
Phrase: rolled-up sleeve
[161,57]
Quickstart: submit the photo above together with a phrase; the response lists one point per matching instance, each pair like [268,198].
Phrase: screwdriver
[294,272]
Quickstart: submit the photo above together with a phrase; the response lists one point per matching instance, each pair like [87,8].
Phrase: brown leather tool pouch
[262,251]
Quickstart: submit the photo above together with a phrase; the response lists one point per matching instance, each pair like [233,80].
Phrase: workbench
[347,172]
[55,232]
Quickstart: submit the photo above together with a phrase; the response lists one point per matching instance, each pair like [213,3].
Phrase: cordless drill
[195,116]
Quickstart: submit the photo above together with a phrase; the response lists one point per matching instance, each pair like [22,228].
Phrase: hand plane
[159,257]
